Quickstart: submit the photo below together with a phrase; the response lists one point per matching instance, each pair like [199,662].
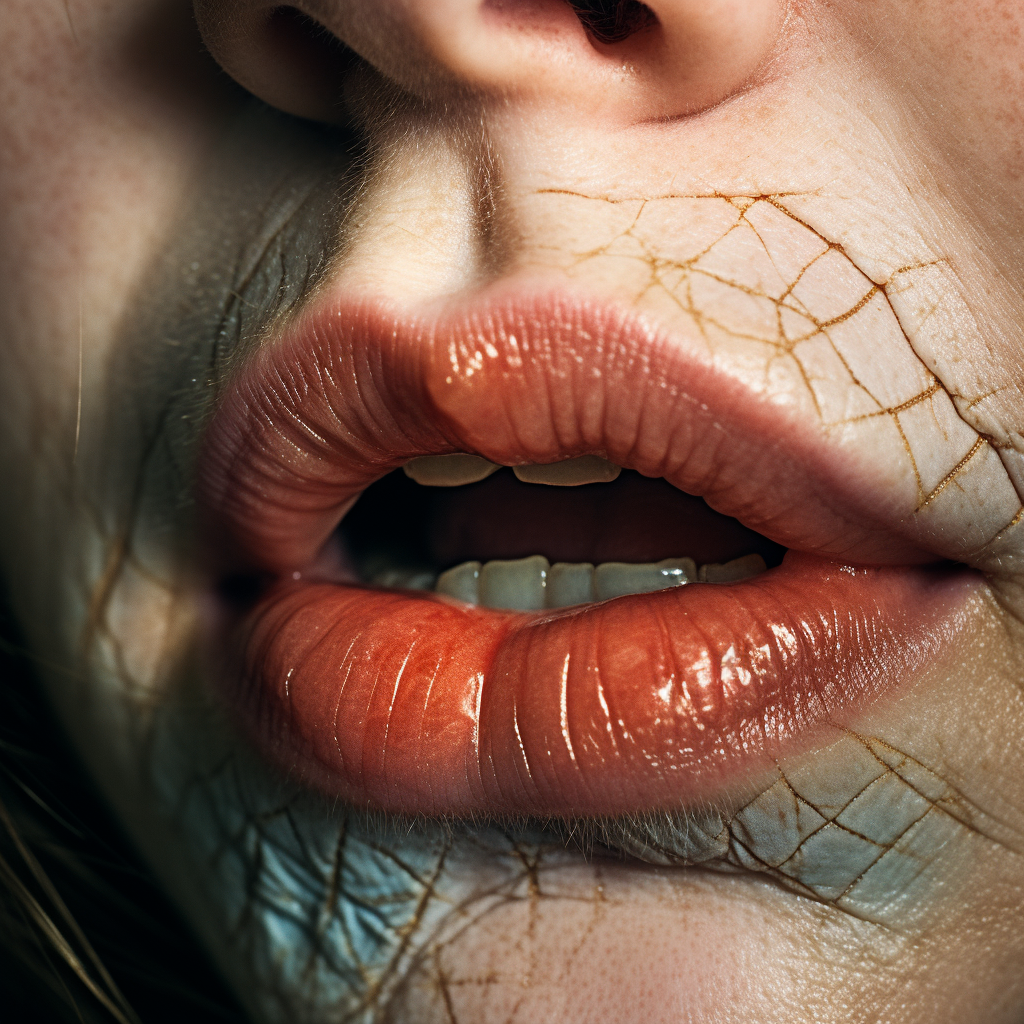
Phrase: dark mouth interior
[397,522]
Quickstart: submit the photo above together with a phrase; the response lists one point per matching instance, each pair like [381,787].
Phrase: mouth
[529,555]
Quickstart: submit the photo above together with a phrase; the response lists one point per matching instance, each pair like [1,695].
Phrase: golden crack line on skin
[340,893]
[724,196]
[1015,521]
[445,988]
[742,204]
[405,935]
[334,879]
[849,314]
[895,410]
[118,553]
[952,474]
[913,461]
[799,277]
[793,881]
[944,805]
[928,393]
[399,862]
[890,848]
[597,915]
[977,400]
[909,268]
[833,821]
[784,778]
[788,881]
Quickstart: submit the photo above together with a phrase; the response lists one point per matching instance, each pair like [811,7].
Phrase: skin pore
[820,200]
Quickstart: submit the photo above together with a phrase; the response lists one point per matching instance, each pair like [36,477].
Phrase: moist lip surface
[420,704]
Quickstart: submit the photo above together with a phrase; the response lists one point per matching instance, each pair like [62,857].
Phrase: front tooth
[734,571]
[462,582]
[518,585]
[449,470]
[616,579]
[587,469]
[570,583]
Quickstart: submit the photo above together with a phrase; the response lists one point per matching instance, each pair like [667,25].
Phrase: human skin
[155,219]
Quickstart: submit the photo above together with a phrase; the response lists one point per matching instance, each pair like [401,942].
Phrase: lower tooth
[462,582]
[734,571]
[519,585]
[617,579]
[570,583]
[405,579]
[532,584]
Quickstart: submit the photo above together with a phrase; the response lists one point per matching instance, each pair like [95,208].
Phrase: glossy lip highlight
[416,704]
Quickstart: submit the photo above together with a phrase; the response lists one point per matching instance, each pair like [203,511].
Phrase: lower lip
[410,703]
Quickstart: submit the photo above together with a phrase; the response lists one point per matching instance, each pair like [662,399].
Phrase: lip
[417,704]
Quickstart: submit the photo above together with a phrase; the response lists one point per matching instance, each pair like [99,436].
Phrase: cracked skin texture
[355,921]
[866,830]
[771,295]
[368,920]
[316,915]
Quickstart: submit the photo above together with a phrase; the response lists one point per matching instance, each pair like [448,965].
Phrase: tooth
[587,469]
[680,570]
[517,585]
[405,579]
[570,583]
[734,571]
[616,579]
[462,582]
[449,470]
[531,584]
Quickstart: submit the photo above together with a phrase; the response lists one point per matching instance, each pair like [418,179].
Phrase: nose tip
[623,58]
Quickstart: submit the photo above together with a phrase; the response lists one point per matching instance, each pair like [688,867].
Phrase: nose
[620,59]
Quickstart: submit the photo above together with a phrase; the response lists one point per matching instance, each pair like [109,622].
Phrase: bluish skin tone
[160,218]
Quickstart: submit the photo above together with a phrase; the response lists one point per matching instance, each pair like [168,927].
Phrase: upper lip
[413,705]
[354,389]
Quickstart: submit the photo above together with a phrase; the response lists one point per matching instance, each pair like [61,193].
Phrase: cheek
[96,152]
[959,69]
[579,944]
[586,943]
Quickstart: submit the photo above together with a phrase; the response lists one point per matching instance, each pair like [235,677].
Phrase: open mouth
[530,556]
[541,537]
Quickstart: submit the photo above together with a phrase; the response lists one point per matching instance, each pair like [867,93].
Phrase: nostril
[612,21]
[324,59]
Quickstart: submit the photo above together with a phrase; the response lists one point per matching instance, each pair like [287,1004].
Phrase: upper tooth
[734,571]
[461,468]
[616,579]
[449,470]
[587,469]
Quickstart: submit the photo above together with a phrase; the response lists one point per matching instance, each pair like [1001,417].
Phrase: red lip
[416,704]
